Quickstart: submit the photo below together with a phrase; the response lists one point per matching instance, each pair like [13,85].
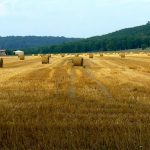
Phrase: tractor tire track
[101,86]
[90,64]
[72,88]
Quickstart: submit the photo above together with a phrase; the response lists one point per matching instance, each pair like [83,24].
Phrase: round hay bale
[49,55]
[76,55]
[1,62]
[101,54]
[91,55]
[148,54]
[45,59]
[122,55]
[41,55]
[21,57]
[77,61]
[62,55]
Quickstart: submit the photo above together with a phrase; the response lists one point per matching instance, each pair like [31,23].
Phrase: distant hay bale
[76,55]
[45,59]
[91,55]
[21,57]
[35,55]
[49,55]
[41,55]
[122,55]
[101,54]
[141,53]
[77,61]
[1,62]
[62,55]
[148,54]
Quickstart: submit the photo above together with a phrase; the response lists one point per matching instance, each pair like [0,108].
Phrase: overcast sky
[70,18]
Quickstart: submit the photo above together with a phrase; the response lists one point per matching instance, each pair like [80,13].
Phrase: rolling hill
[23,42]
[129,38]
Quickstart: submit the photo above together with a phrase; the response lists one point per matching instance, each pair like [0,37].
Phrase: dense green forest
[24,42]
[129,38]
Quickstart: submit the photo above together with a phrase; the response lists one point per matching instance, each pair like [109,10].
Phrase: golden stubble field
[102,106]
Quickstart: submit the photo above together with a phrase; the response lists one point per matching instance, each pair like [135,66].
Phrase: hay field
[104,105]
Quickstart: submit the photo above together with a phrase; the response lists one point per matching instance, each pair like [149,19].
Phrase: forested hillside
[23,42]
[130,38]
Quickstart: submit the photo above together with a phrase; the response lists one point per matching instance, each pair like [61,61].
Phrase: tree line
[25,42]
[130,38]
